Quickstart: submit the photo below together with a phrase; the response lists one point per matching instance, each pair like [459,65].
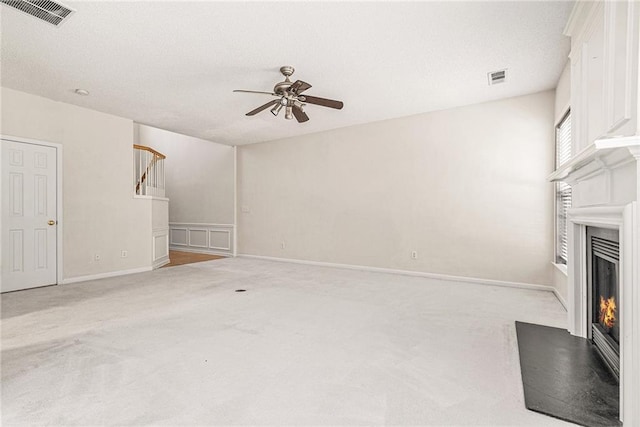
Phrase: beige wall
[199,176]
[100,214]
[466,188]
[563,93]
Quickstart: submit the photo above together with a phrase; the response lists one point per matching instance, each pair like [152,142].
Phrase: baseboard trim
[200,251]
[560,298]
[158,264]
[105,275]
[475,280]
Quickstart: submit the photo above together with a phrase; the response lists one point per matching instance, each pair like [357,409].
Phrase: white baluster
[146,172]
[155,176]
[140,155]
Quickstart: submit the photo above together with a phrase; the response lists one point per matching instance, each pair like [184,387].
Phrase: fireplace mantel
[604,154]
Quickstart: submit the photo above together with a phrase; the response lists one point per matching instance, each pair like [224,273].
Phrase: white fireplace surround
[621,218]
[596,175]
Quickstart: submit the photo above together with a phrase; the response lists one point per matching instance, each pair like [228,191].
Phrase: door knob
[51,222]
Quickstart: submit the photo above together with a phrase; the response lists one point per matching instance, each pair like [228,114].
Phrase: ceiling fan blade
[300,115]
[298,87]
[255,91]
[322,101]
[262,107]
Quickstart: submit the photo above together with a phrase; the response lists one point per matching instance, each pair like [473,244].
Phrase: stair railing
[148,171]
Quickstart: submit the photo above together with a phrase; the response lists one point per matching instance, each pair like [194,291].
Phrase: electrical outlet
[124,254]
[414,255]
[283,244]
[96,257]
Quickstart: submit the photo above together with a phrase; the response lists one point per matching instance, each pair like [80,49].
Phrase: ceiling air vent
[46,10]
[496,77]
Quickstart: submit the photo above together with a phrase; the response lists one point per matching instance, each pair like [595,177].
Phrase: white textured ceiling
[173,65]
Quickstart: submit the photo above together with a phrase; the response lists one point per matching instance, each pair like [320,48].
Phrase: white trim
[579,9]
[161,263]
[579,219]
[630,389]
[490,282]
[611,9]
[200,224]
[598,216]
[59,197]
[617,142]
[561,268]
[165,199]
[560,298]
[235,201]
[607,152]
[105,275]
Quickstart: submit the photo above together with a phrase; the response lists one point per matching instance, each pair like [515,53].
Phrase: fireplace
[604,180]
[603,285]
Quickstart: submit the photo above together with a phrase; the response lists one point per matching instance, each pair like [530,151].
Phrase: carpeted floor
[304,345]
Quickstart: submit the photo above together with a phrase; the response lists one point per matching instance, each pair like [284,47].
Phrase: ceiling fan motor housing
[281,88]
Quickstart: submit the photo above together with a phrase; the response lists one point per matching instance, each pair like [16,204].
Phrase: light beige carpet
[303,346]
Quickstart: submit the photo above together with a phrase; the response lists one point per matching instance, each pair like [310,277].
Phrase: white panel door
[28,216]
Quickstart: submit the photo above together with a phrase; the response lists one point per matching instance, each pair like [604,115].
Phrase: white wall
[100,214]
[563,94]
[466,188]
[199,176]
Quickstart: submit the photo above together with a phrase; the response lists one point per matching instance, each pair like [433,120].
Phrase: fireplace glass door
[606,310]
[604,295]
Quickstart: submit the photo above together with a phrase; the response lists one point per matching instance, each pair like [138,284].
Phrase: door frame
[60,222]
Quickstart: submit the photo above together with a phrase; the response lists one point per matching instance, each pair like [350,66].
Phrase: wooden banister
[155,157]
[149,149]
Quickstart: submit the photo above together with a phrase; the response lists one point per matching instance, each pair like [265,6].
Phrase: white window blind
[563,190]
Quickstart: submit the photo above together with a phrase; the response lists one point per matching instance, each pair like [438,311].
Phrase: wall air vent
[49,11]
[496,77]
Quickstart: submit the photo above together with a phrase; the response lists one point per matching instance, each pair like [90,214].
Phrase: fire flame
[608,311]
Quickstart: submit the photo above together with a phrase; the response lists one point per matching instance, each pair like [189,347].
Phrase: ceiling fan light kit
[290,97]
[275,110]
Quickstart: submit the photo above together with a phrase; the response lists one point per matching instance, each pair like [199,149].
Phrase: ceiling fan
[289,96]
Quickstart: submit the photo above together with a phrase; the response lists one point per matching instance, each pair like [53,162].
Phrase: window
[563,190]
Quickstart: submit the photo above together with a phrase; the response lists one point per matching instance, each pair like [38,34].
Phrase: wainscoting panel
[178,236]
[220,240]
[198,238]
[160,247]
[214,239]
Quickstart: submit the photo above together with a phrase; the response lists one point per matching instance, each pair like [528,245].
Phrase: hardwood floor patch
[181,258]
